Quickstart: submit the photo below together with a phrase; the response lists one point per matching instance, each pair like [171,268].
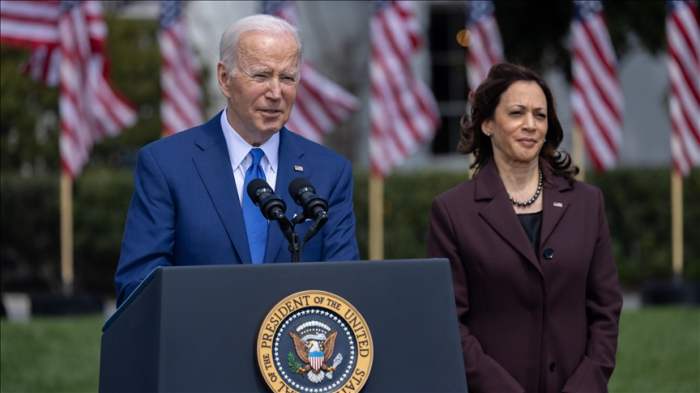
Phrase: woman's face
[519,123]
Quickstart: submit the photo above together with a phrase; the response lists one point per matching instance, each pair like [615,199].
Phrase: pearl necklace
[533,199]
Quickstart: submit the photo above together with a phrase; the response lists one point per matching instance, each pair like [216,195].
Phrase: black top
[532,223]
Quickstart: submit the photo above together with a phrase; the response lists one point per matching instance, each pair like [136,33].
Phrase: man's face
[263,86]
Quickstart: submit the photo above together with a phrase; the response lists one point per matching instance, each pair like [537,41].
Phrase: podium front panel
[197,326]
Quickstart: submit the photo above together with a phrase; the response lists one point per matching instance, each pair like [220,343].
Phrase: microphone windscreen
[254,186]
[297,184]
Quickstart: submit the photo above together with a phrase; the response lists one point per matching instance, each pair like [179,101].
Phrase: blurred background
[52,317]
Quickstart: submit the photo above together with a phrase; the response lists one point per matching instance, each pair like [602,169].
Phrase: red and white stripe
[181,104]
[403,111]
[485,49]
[321,104]
[29,23]
[316,361]
[68,49]
[89,107]
[683,46]
[43,65]
[34,25]
[597,99]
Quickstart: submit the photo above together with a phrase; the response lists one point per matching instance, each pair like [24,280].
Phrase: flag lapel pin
[558,204]
[298,168]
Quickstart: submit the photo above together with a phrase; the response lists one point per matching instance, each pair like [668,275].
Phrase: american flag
[484,45]
[181,104]
[34,25]
[403,111]
[74,34]
[597,100]
[320,103]
[683,46]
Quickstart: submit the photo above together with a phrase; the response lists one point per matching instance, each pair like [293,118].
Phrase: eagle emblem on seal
[314,342]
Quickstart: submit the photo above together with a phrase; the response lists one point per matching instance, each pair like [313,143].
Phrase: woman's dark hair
[483,105]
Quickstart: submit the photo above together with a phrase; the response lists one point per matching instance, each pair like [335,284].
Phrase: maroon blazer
[529,323]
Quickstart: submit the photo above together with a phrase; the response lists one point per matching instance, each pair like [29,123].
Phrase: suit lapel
[498,212]
[554,203]
[290,156]
[213,164]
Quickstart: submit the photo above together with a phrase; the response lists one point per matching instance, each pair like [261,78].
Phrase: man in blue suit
[190,206]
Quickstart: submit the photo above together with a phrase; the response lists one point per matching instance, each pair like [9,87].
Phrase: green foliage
[101,201]
[51,355]
[658,351]
[407,199]
[28,117]
[294,366]
[30,240]
[637,206]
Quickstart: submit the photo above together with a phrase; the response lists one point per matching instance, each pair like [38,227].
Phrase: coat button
[552,366]
[549,253]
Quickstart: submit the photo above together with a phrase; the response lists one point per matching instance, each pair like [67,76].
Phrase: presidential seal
[315,342]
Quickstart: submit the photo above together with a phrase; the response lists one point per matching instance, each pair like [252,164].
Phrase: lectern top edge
[146,282]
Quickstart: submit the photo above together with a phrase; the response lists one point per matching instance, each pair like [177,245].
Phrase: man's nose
[274,90]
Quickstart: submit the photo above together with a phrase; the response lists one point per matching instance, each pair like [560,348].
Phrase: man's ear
[222,77]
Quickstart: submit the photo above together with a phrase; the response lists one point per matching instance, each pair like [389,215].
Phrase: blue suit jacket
[186,211]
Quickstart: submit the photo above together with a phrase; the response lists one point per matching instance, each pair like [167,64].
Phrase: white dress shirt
[239,152]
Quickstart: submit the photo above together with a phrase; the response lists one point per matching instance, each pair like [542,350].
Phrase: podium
[195,328]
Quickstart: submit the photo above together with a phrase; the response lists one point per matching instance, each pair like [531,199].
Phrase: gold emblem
[316,342]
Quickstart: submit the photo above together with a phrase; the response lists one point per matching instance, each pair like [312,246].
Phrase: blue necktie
[255,223]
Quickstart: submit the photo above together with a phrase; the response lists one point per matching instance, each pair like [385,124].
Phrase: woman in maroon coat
[536,288]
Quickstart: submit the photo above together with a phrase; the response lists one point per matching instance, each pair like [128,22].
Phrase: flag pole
[376,216]
[677,225]
[67,233]
[578,152]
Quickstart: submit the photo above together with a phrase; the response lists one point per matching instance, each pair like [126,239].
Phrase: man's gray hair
[228,48]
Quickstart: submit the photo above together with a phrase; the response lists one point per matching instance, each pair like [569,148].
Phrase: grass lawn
[658,351]
[60,354]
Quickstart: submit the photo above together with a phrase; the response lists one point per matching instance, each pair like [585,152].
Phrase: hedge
[637,206]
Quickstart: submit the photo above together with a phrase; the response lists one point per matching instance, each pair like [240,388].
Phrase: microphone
[304,194]
[270,204]
[315,207]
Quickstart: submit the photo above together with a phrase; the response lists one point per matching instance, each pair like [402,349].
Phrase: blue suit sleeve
[339,240]
[150,227]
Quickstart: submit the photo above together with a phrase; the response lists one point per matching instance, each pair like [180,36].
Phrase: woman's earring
[488,134]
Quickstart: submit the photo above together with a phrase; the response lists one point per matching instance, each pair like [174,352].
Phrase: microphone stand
[291,235]
[296,247]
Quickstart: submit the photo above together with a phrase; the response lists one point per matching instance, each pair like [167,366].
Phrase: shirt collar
[238,148]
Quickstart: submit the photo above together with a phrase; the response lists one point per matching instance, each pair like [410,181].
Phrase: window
[449,81]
